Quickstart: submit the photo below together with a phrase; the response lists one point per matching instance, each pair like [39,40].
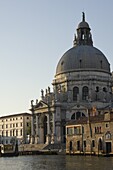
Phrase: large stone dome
[83,57]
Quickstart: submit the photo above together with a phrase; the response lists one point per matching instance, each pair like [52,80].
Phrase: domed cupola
[84,36]
[83,56]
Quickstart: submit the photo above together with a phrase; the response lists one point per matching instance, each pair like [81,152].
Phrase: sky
[34,34]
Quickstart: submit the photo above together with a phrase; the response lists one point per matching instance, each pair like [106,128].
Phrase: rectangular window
[13,133]
[16,132]
[69,131]
[107,125]
[27,124]
[6,133]
[98,129]
[77,130]
[10,132]
[21,132]
[93,143]
[85,143]
[78,145]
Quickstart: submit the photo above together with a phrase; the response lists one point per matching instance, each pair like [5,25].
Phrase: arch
[77,115]
[85,93]
[108,135]
[75,93]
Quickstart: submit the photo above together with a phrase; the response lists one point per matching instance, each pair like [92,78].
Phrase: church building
[82,85]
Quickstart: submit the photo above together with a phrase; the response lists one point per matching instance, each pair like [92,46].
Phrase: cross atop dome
[83,17]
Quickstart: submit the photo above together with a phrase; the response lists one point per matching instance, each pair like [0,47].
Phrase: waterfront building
[15,128]
[90,135]
[82,81]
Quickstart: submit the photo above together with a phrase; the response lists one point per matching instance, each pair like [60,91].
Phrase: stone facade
[15,128]
[82,81]
[90,136]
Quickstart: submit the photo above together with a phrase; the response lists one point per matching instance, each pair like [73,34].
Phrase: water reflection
[89,163]
[56,162]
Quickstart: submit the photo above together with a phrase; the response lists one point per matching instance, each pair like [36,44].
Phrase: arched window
[104,89]
[108,135]
[75,93]
[97,89]
[77,115]
[73,116]
[85,92]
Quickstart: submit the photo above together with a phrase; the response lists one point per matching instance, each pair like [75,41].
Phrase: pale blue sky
[34,34]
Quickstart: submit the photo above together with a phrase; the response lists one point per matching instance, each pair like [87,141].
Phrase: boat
[8,150]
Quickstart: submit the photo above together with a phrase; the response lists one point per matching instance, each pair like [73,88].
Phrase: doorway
[45,128]
[108,147]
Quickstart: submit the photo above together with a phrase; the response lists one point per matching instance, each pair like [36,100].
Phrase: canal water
[56,162]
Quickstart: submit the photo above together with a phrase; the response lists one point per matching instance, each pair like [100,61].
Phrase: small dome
[83,24]
[83,57]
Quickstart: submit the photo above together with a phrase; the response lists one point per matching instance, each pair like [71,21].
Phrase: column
[48,129]
[37,130]
[58,123]
[53,133]
[41,136]
[58,131]
[48,124]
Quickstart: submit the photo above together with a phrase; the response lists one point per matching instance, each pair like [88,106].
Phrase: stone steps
[32,147]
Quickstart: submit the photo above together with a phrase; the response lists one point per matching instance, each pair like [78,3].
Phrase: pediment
[41,105]
[79,107]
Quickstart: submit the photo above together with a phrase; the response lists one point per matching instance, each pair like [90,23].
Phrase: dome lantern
[84,36]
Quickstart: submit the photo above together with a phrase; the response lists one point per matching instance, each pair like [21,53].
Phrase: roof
[83,24]
[83,57]
[15,115]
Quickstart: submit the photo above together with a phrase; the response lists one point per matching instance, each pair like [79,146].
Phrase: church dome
[83,56]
